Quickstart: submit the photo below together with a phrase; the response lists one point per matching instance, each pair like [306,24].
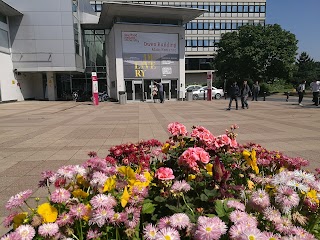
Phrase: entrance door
[166,89]
[137,90]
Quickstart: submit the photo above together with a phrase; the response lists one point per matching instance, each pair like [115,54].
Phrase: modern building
[48,49]
[204,32]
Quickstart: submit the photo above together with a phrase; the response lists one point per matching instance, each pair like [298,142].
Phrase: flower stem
[81,234]
[117,234]
[184,200]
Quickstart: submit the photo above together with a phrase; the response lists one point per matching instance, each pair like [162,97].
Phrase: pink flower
[93,234]
[79,211]
[180,186]
[164,173]
[18,199]
[168,233]
[64,219]
[190,157]
[251,233]
[48,229]
[235,204]
[8,220]
[179,221]
[132,217]
[103,201]
[25,232]
[150,232]
[287,198]
[176,129]
[260,199]
[60,195]
[210,228]
[203,134]
[100,216]
[164,222]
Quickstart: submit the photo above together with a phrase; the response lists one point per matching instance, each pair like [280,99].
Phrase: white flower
[302,175]
[297,185]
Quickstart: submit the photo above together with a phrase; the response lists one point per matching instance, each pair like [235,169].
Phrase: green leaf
[219,208]
[148,208]
[173,208]
[159,199]
[210,193]
[204,198]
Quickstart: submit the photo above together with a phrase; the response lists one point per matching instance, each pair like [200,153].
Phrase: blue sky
[300,17]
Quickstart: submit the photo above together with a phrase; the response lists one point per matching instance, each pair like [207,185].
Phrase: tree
[256,52]
[306,69]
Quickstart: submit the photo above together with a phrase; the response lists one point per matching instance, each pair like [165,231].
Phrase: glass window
[194,25]
[194,5]
[200,6]
[206,43]
[200,25]
[98,7]
[194,43]
[211,42]
[188,43]
[189,26]
[211,26]
[3,18]
[256,9]
[234,8]
[4,40]
[251,9]
[205,25]
[217,8]
[223,8]
[229,8]
[234,26]
[240,8]
[206,7]
[228,25]
[262,8]
[217,26]
[223,26]
[245,8]
[200,42]
[261,22]
[211,8]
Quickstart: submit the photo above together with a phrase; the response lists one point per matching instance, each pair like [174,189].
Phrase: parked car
[193,87]
[216,93]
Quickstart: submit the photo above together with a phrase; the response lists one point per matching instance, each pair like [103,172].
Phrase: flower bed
[194,186]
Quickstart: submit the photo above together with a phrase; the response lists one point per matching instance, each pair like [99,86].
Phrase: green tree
[306,69]
[256,52]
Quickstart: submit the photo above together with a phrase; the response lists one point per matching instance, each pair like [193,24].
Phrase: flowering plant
[194,186]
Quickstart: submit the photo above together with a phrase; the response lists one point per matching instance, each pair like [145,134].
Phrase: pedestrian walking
[255,91]
[301,90]
[154,93]
[245,92]
[160,91]
[234,93]
[315,88]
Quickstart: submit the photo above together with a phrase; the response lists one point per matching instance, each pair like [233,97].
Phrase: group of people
[244,92]
[315,88]
[157,91]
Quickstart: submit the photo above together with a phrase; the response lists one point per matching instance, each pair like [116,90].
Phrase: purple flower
[132,217]
[236,230]
[98,179]
[235,204]
[60,195]
[25,232]
[164,222]
[64,219]
[100,216]
[287,198]
[167,233]
[272,214]
[103,201]
[93,234]
[48,229]
[180,186]
[150,232]
[179,221]
[260,199]
[210,228]
[19,199]
[45,176]
[67,172]
[8,220]
[251,233]
[79,211]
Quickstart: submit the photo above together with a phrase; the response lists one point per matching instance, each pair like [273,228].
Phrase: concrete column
[51,86]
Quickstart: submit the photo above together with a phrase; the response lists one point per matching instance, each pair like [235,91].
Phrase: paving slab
[39,135]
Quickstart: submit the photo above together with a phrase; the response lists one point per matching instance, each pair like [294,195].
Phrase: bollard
[204,95]
[287,93]
[264,96]
[225,95]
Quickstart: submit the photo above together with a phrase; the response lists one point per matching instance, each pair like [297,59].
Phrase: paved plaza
[39,135]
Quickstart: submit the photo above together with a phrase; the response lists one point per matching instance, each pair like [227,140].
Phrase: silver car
[216,93]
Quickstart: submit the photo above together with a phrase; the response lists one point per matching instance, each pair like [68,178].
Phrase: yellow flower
[125,197]
[110,184]
[48,212]
[282,169]
[127,172]
[165,147]
[209,168]
[80,193]
[250,184]
[81,181]
[312,194]
[251,159]
[19,219]
[86,217]
[191,177]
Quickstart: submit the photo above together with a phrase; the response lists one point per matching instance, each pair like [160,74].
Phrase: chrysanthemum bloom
[298,185]
[64,219]
[271,236]
[210,228]
[287,198]
[67,172]
[297,217]
[167,234]
[150,232]
[281,178]
[179,221]
[176,129]
[235,204]
[116,218]
[98,179]
[79,211]
[260,199]
[45,176]
[272,214]
[238,216]
[8,220]
[164,222]
[100,216]
[48,229]
[60,195]
[284,226]
[180,187]
[301,175]
[10,236]
[25,232]
[18,199]
[164,173]
[103,201]
[236,230]
[251,234]
[93,234]
[132,217]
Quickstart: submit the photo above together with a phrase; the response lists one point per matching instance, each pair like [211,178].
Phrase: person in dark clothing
[301,90]
[245,92]
[160,91]
[234,93]
[255,91]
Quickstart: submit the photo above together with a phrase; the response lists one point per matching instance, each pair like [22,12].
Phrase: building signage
[150,55]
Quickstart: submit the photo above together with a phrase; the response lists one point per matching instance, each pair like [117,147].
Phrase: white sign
[139,42]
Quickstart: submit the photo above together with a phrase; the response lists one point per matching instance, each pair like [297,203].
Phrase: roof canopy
[146,13]
[7,10]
